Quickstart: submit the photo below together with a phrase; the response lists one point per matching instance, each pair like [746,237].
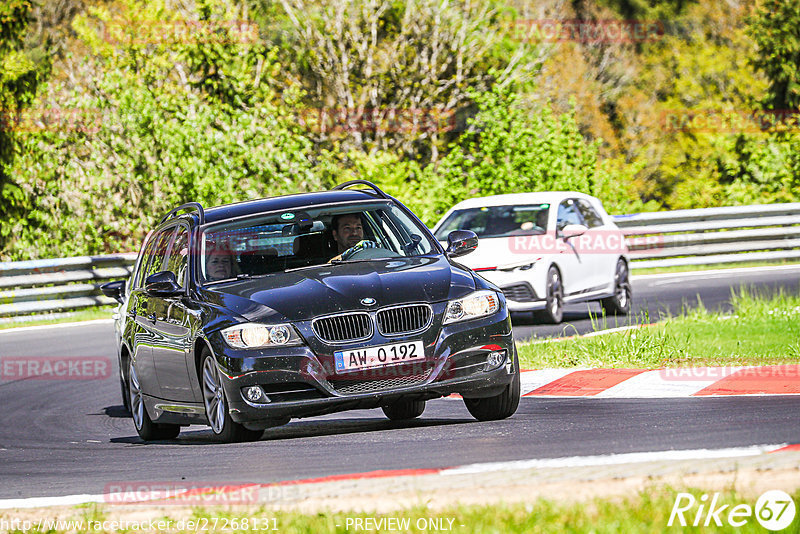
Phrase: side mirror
[115,290]
[460,242]
[162,284]
[412,245]
[573,230]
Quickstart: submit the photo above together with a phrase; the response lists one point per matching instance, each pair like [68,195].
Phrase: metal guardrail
[712,236]
[36,286]
[659,239]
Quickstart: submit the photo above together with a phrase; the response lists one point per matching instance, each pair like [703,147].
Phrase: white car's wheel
[620,302]
[554,310]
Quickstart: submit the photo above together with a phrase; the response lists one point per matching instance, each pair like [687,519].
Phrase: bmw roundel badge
[368,301]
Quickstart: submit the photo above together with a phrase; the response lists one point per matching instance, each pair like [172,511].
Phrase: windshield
[497,221]
[297,239]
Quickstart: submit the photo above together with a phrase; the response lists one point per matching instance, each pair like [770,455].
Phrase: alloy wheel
[556,293]
[137,404]
[213,396]
[622,285]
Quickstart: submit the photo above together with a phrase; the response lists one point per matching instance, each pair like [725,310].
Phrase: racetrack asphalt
[62,437]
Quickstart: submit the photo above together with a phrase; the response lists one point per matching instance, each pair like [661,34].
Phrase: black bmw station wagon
[244,316]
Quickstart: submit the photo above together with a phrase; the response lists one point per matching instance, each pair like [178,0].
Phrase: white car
[545,250]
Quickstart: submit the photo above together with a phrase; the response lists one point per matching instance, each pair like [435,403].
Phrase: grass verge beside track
[91,314]
[760,331]
[711,267]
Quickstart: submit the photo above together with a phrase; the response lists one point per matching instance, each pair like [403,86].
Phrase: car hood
[324,289]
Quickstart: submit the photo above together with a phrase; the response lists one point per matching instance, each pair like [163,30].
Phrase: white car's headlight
[478,304]
[254,335]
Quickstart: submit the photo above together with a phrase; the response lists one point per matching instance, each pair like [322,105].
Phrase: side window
[147,253]
[591,217]
[178,255]
[568,214]
[403,224]
[157,261]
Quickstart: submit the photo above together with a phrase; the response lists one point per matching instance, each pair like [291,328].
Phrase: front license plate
[367,357]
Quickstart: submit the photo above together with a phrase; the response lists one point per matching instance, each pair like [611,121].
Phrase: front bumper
[524,290]
[301,382]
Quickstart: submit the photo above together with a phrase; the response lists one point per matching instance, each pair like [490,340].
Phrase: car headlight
[478,304]
[254,335]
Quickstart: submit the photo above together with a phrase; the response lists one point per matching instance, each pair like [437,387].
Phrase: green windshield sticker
[287,216]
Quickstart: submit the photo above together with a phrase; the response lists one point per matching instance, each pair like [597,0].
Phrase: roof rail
[196,206]
[362,182]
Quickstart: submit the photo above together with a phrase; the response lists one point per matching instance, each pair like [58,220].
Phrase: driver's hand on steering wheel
[361,245]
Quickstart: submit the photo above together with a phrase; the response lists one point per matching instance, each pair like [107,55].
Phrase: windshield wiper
[242,276]
[303,267]
[359,260]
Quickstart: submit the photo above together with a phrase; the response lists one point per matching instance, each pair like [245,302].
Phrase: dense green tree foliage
[511,148]
[171,109]
[21,69]
[775,28]
[151,103]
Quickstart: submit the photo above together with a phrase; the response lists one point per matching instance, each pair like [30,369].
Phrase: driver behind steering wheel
[348,232]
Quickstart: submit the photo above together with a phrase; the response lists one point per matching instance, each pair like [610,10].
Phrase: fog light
[279,335]
[254,394]
[494,360]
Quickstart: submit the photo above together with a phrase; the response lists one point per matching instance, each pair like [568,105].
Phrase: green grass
[690,268]
[91,314]
[761,331]
[647,511]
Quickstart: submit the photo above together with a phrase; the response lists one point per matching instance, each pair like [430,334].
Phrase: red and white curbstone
[662,383]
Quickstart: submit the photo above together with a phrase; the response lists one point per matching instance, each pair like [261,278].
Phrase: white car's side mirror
[573,230]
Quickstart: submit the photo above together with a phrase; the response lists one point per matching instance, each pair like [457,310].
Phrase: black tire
[554,310]
[124,389]
[620,302]
[523,318]
[145,427]
[404,410]
[215,400]
[500,406]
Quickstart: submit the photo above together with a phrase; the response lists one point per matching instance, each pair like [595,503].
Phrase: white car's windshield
[497,221]
[301,238]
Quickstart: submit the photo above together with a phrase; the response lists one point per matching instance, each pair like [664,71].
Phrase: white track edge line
[59,325]
[732,270]
[612,459]
[571,461]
